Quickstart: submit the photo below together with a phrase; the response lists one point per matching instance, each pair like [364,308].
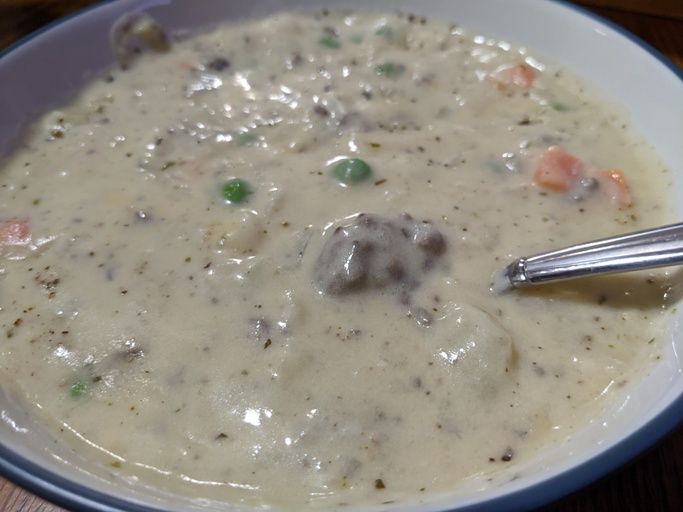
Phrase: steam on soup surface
[253,265]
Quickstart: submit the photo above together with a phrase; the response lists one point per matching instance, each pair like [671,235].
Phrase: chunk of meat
[373,252]
[14,232]
[613,184]
[558,170]
[521,76]
[135,32]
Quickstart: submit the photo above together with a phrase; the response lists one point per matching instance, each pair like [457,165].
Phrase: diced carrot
[521,75]
[14,232]
[557,170]
[614,185]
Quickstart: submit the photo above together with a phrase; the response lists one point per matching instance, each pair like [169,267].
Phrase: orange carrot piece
[14,232]
[614,185]
[521,75]
[557,170]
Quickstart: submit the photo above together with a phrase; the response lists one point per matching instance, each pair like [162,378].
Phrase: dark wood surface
[667,8]
[653,481]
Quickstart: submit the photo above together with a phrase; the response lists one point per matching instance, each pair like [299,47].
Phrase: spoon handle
[658,247]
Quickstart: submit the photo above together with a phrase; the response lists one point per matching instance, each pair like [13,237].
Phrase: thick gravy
[254,265]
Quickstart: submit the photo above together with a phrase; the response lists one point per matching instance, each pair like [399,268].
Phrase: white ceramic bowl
[44,69]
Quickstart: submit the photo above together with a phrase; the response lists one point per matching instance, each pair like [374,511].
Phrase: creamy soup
[254,265]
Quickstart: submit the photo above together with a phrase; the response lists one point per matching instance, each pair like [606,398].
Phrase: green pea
[385,31]
[78,388]
[390,69]
[560,107]
[351,170]
[236,191]
[329,42]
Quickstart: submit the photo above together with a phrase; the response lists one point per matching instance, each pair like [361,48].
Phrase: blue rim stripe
[79,498]
[60,490]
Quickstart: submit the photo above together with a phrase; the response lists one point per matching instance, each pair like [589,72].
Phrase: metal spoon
[651,248]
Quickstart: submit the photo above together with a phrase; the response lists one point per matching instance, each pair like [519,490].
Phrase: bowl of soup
[247,255]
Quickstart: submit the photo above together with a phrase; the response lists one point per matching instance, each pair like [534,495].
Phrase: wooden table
[652,482]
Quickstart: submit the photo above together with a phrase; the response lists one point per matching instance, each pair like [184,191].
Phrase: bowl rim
[77,497]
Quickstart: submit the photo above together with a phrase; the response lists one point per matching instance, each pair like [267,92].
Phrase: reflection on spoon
[651,248]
